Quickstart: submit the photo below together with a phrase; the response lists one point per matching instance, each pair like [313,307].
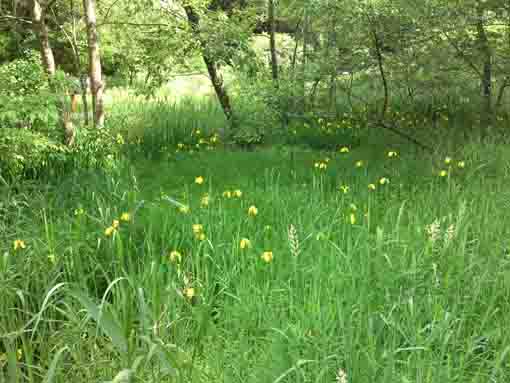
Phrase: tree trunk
[380,63]
[216,79]
[47,57]
[483,41]
[96,82]
[48,62]
[272,41]
[501,93]
[305,56]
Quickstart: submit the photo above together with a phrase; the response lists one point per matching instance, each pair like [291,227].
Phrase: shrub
[25,97]
[25,153]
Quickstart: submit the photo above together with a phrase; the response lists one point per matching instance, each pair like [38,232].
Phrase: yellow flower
[180,145]
[125,217]
[227,194]
[19,244]
[352,218]
[189,292]
[316,164]
[237,193]
[175,256]
[353,207]
[120,139]
[197,228]
[344,189]
[323,165]
[267,256]
[384,181]
[359,164]
[79,211]
[201,236]
[19,354]
[199,180]
[344,149]
[392,154]
[461,164]
[252,210]
[205,200]
[443,173]
[448,160]
[109,231]
[371,186]
[184,209]
[245,243]
[115,224]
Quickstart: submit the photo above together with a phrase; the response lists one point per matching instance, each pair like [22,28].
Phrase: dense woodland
[254,191]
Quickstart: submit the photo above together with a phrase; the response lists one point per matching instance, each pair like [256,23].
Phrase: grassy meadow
[192,262]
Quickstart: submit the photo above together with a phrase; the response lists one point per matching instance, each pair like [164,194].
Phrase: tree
[210,63]
[272,40]
[48,61]
[96,82]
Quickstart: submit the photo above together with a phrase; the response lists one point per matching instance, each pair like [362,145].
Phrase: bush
[30,154]
[25,153]
[25,98]
[30,134]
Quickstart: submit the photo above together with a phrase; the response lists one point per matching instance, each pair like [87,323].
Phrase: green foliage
[396,286]
[25,98]
[23,76]
[96,149]
[29,154]
[26,153]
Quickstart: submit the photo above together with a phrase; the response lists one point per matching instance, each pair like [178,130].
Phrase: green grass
[369,292]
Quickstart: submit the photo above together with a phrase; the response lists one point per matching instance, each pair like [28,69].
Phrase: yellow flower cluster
[125,217]
[267,256]
[235,193]
[449,162]
[253,211]
[19,244]
[245,243]
[198,231]
[175,256]
[321,165]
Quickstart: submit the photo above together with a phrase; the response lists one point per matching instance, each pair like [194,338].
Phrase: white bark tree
[95,74]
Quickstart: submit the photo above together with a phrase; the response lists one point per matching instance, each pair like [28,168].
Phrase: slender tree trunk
[96,81]
[47,57]
[483,41]
[380,62]
[78,65]
[272,41]
[48,62]
[305,55]
[501,93]
[216,79]
[332,43]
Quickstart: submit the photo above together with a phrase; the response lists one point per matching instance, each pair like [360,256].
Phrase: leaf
[105,321]
[53,366]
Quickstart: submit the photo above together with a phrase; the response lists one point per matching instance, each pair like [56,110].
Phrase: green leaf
[50,375]
[105,321]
